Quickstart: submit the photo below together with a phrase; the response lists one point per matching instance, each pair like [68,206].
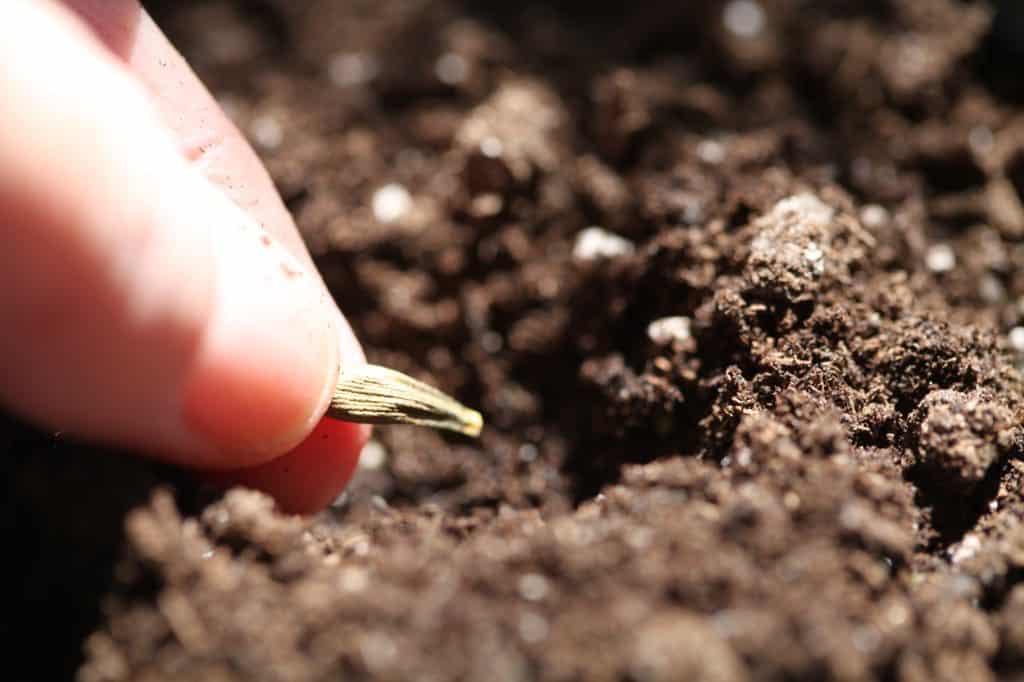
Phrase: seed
[370,394]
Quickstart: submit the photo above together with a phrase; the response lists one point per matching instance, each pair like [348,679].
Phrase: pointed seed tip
[474,423]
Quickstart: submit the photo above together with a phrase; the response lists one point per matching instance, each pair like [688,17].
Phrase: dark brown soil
[815,476]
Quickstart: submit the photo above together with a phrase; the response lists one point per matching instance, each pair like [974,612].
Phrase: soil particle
[797,243]
[959,436]
[517,133]
[682,646]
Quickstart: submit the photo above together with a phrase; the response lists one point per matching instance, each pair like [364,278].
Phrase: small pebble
[353,579]
[669,329]
[528,452]
[451,68]
[991,290]
[744,18]
[595,243]
[486,205]
[897,614]
[981,139]
[940,258]
[533,587]
[266,131]
[491,342]
[874,216]
[391,202]
[807,206]
[816,256]
[351,68]
[491,147]
[711,152]
[378,651]
[966,549]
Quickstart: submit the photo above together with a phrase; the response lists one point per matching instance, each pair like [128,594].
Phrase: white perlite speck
[533,587]
[668,329]
[451,68]
[528,452]
[491,342]
[595,243]
[940,258]
[810,207]
[966,549]
[353,579]
[991,290]
[491,147]
[373,455]
[874,215]
[981,139]
[378,651]
[744,18]
[816,256]
[351,68]
[711,151]
[1016,339]
[266,131]
[391,202]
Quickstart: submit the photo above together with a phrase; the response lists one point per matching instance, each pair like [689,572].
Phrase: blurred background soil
[739,287]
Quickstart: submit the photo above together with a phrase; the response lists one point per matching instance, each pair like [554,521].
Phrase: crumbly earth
[808,468]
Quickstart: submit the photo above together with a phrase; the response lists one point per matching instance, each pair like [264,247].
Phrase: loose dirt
[739,288]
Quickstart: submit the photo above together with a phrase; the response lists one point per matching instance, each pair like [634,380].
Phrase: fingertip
[267,366]
[152,311]
[312,475]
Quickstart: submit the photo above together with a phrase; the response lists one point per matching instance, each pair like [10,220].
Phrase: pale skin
[154,291]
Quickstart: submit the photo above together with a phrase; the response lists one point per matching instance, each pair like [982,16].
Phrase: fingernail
[310,476]
[269,356]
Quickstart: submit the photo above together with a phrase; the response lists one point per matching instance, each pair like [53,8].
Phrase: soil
[808,468]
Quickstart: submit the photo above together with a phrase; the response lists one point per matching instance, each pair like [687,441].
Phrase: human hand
[154,292]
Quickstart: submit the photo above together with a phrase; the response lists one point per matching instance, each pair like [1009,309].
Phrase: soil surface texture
[739,288]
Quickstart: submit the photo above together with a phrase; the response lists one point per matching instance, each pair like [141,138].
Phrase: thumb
[140,305]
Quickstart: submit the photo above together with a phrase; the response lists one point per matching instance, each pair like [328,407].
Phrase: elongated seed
[371,394]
